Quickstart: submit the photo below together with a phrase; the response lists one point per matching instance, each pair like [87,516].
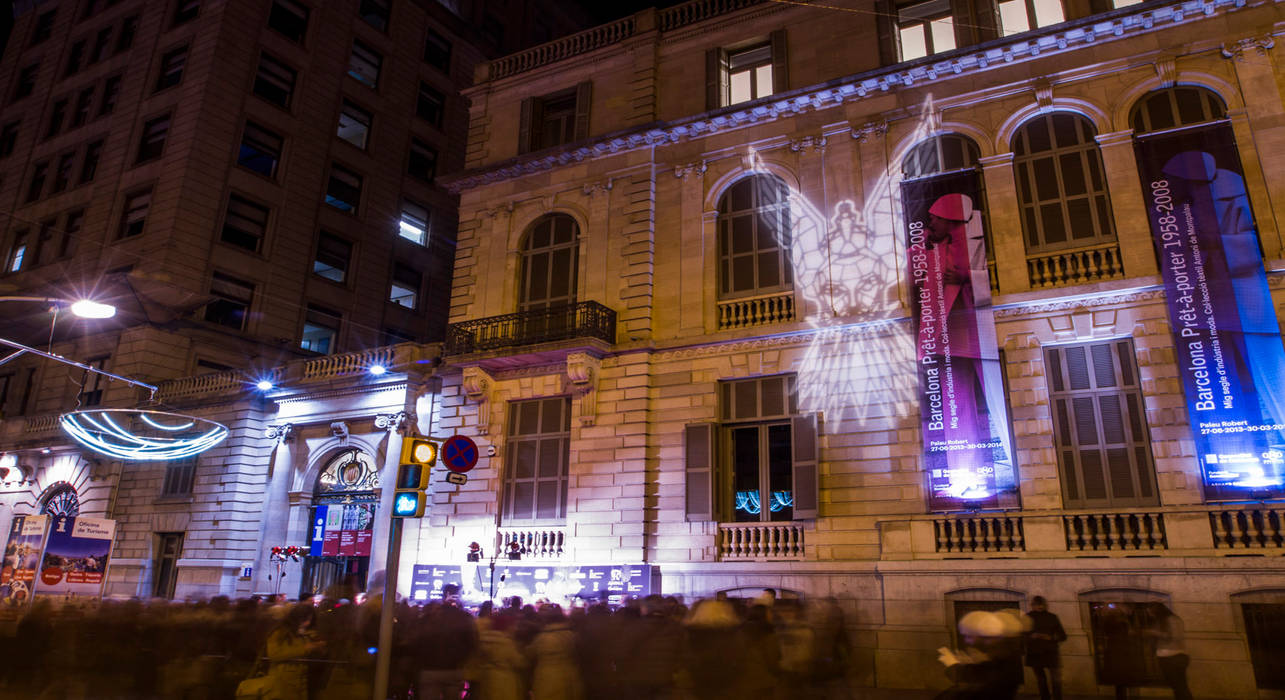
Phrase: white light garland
[99,431]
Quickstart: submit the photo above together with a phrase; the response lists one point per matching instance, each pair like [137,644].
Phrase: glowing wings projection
[140,435]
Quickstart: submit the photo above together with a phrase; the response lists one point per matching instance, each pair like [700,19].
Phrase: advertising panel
[76,554]
[342,530]
[1225,333]
[21,559]
[968,451]
[532,582]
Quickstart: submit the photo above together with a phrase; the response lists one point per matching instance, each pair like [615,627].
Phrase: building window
[1060,183]
[134,214]
[91,389]
[925,28]
[61,499]
[245,223]
[111,91]
[1124,649]
[940,154]
[364,64]
[343,190]
[274,81]
[84,105]
[8,138]
[538,455]
[17,253]
[62,173]
[375,12]
[128,30]
[169,547]
[747,72]
[289,19]
[354,124]
[231,303]
[437,51]
[404,290]
[333,256]
[74,58]
[1099,426]
[1264,628]
[550,263]
[320,330]
[759,419]
[1017,16]
[753,238]
[1183,105]
[260,150]
[414,223]
[430,105]
[186,11]
[172,64]
[152,142]
[179,475]
[44,28]
[422,163]
[36,185]
[89,166]
[57,114]
[101,42]
[557,118]
[26,83]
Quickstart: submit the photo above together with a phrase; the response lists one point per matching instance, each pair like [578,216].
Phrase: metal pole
[385,650]
[73,363]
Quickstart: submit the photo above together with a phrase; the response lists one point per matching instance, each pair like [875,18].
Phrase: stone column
[1006,223]
[689,297]
[1128,207]
[276,507]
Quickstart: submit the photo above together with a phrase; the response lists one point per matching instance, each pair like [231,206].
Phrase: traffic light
[413,471]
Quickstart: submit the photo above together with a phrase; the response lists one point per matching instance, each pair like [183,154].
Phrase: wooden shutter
[715,78]
[583,95]
[806,477]
[780,62]
[698,446]
[524,125]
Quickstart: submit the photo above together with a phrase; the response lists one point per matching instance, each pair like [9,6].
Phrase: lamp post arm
[58,358]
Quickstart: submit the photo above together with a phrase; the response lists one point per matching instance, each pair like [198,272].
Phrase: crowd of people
[654,648]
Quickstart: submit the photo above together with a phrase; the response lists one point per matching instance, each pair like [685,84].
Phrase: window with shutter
[554,119]
[1100,430]
[538,455]
[746,71]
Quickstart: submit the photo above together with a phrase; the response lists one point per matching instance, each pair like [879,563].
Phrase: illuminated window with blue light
[758,434]
[320,329]
[343,190]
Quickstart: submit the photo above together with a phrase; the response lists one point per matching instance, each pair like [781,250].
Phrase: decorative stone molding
[582,371]
[1167,70]
[339,430]
[595,188]
[476,384]
[1258,45]
[1132,297]
[490,212]
[808,144]
[870,130]
[395,422]
[300,498]
[281,433]
[999,160]
[683,171]
[1044,94]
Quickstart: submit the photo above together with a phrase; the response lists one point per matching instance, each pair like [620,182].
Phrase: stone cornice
[1068,36]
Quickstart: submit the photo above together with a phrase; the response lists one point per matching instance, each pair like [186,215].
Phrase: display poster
[75,558]
[1225,334]
[532,582]
[967,447]
[342,530]
[21,559]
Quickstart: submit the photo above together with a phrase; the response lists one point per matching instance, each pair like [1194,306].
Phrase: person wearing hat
[1041,648]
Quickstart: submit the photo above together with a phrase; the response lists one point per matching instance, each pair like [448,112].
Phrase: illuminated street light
[84,308]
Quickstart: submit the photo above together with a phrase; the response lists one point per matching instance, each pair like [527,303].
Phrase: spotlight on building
[264,385]
[377,370]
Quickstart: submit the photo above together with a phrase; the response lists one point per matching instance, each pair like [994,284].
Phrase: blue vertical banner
[1225,334]
[967,447]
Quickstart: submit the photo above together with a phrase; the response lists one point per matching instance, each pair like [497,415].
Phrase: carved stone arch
[306,481]
[903,145]
[1097,116]
[758,164]
[526,216]
[1128,99]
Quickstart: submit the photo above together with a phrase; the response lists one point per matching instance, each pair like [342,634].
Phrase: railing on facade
[755,311]
[980,533]
[1115,531]
[696,11]
[587,319]
[1079,266]
[215,383]
[41,424]
[350,363]
[1248,527]
[534,542]
[757,541]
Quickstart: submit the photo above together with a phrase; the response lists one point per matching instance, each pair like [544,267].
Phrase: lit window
[364,64]
[343,190]
[925,28]
[260,150]
[749,74]
[245,223]
[354,124]
[231,302]
[414,223]
[289,19]
[17,252]
[320,329]
[1017,16]
[404,289]
[333,254]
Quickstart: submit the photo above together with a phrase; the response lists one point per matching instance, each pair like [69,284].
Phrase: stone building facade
[682,319]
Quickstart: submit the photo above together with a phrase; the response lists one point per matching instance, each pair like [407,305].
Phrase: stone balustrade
[540,543]
[755,311]
[760,541]
[981,533]
[1078,266]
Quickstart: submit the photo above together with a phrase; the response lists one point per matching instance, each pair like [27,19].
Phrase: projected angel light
[142,435]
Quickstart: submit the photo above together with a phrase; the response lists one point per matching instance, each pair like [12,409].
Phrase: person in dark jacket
[1041,648]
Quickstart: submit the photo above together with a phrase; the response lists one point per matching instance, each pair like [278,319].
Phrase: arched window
[754,238]
[940,154]
[1061,185]
[550,261]
[60,499]
[1182,105]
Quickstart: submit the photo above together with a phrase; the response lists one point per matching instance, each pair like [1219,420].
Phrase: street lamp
[84,308]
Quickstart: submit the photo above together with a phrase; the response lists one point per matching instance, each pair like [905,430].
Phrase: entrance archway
[344,504]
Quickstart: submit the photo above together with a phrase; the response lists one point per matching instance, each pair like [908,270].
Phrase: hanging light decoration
[142,435]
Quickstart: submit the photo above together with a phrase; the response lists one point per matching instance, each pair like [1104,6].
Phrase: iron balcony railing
[587,319]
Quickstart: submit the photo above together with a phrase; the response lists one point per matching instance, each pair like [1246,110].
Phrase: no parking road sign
[459,454]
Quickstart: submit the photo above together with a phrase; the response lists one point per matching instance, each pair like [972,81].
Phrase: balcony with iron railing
[587,320]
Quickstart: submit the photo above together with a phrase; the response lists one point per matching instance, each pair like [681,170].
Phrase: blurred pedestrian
[555,673]
[290,645]
[1171,649]
[1042,654]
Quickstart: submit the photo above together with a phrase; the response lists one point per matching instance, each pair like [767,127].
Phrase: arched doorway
[344,504]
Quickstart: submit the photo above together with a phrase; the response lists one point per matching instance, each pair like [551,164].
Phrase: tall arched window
[1181,105]
[754,238]
[550,260]
[940,154]
[1061,185]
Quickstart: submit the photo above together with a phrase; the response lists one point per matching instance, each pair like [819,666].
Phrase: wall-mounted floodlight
[377,370]
[264,385]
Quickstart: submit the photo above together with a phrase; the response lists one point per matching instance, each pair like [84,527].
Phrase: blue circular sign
[459,453]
